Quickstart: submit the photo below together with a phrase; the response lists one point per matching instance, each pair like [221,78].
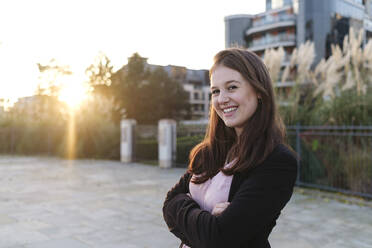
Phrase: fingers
[223,204]
[219,208]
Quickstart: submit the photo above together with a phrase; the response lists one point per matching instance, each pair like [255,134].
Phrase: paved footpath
[52,203]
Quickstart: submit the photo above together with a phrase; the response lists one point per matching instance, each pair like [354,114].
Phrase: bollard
[127,127]
[167,138]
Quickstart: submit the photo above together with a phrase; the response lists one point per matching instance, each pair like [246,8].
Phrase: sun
[73,94]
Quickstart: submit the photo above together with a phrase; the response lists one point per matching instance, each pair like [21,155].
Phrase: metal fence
[17,140]
[146,143]
[337,158]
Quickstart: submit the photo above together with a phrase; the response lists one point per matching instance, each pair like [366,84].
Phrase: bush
[357,168]
[146,149]
[184,146]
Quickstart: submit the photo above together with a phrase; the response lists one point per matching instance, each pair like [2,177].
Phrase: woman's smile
[229,111]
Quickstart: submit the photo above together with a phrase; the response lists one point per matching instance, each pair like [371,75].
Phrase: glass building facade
[275,4]
[289,23]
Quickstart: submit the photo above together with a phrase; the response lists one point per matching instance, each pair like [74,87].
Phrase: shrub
[146,149]
[184,146]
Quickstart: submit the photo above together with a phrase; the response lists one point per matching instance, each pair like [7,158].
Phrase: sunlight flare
[73,93]
[71,137]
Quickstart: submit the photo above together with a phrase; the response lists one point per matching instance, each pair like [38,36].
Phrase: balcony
[198,101]
[272,23]
[286,60]
[284,84]
[281,40]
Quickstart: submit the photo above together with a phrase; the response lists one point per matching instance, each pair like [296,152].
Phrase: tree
[162,97]
[99,74]
[146,95]
[126,87]
[51,75]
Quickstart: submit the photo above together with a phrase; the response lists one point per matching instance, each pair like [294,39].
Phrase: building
[2,107]
[289,23]
[196,84]
[36,107]
[235,26]
[29,105]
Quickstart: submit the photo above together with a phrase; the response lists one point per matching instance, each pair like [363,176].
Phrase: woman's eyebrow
[232,81]
[227,82]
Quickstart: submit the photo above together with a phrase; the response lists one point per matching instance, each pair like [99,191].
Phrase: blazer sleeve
[254,208]
[182,187]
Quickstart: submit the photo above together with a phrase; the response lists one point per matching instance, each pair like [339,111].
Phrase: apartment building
[196,84]
[289,23]
[36,107]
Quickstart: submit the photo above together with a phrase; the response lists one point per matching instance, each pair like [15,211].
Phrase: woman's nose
[222,98]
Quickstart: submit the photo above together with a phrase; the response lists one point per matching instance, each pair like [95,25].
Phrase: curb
[326,196]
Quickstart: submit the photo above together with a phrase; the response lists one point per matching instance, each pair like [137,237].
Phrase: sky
[73,32]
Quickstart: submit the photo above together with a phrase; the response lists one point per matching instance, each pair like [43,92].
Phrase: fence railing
[337,158]
[146,144]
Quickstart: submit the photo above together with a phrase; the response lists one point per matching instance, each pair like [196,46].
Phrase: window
[196,95]
[268,4]
[188,95]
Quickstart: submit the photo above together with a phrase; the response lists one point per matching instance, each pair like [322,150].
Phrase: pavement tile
[13,235]
[59,243]
[53,203]
[6,220]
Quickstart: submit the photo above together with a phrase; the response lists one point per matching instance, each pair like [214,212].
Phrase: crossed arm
[253,210]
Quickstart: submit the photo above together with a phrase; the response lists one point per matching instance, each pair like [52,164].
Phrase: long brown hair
[261,133]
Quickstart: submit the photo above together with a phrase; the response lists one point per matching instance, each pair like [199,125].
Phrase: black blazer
[256,200]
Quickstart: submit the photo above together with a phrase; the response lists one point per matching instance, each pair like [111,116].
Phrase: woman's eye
[232,87]
[214,92]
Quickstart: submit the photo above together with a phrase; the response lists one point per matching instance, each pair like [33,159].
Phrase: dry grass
[301,60]
[349,68]
[273,59]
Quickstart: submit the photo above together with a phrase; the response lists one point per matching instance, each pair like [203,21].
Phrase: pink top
[211,192]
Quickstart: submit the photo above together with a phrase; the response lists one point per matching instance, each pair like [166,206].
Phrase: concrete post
[127,127]
[167,138]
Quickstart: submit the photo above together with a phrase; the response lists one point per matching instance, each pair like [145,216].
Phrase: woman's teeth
[228,110]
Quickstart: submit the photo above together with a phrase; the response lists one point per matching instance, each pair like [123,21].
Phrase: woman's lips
[227,112]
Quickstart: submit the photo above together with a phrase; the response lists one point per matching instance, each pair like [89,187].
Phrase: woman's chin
[229,124]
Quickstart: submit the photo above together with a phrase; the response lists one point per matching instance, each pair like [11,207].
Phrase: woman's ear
[259,98]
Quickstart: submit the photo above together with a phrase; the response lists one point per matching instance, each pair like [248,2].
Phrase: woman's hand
[219,208]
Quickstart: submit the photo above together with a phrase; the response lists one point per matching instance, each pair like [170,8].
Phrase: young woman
[242,174]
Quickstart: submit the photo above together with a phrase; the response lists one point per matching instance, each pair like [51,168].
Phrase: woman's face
[233,97]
